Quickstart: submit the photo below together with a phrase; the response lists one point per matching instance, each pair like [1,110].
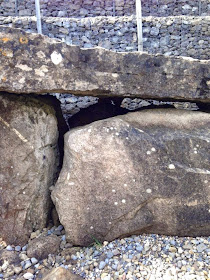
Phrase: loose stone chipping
[143,257]
[153,256]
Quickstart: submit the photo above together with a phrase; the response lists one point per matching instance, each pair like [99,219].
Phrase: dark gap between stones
[62,129]
[204,107]
[104,109]
[62,126]
[111,107]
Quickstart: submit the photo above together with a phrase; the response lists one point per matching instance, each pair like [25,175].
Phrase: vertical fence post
[16,8]
[199,7]
[113,5]
[139,25]
[38,17]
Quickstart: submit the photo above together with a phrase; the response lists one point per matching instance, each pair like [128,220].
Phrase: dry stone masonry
[90,8]
[180,36]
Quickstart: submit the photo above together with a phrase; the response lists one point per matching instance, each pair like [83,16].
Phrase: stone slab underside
[32,63]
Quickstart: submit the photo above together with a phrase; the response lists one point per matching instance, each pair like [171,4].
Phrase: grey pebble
[24,248]
[116,252]
[27,264]
[28,276]
[74,257]
[96,253]
[173,242]
[201,247]
[63,238]
[110,255]
[102,265]
[34,261]
[60,228]
[139,248]
[57,232]
[17,248]
[179,264]
[187,246]
[9,248]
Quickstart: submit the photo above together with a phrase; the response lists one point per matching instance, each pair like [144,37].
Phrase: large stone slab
[144,172]
[35,63]
[29,159]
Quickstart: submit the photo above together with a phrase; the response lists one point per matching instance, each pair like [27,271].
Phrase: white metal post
[16,8]
[199,7]
[113,5]
[139,25]
[38,17]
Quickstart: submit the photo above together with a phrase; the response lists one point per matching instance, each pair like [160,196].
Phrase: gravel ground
[151,257]
[143,257]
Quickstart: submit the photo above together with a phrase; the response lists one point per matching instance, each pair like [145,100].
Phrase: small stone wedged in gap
[134,104]
[137,257]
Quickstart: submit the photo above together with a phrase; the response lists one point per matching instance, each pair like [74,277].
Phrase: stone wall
[181,36]
[87,8]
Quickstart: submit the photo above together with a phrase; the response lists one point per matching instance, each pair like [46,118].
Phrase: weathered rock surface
[144,172]
[42,246]
[11,257]
[29,158]
[35,63]
[60,273]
